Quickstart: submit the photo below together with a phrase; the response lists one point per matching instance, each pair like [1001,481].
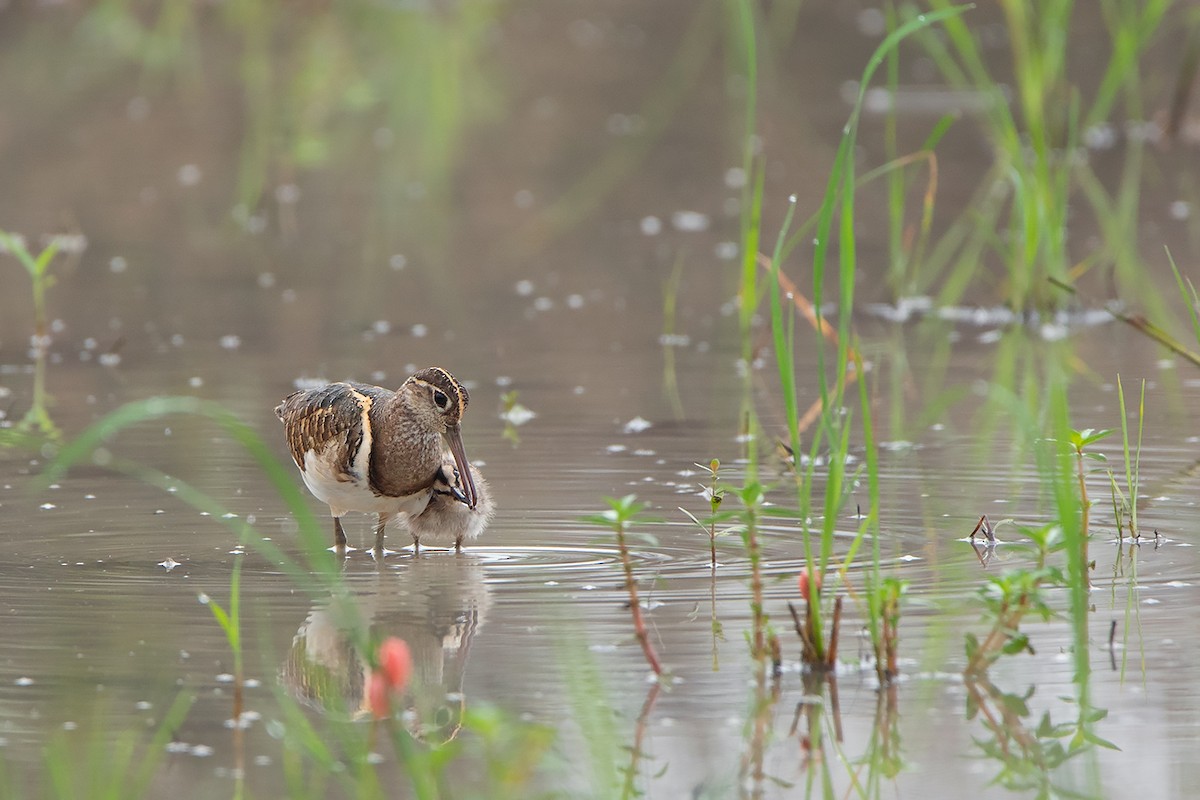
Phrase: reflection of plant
[1008,598]
[1029,757]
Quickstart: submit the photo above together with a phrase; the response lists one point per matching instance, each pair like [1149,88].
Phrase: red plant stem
[639,625]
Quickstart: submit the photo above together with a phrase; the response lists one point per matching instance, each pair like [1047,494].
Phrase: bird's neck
[405,454]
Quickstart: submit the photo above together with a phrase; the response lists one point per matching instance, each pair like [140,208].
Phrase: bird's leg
[416,545]
[339,535]
[380,524]
[458,544]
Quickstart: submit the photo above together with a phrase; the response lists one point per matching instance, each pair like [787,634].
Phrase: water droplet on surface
[651,226]
[690,221]
[637,425]
[524,288]
[118,264]
[188,175]
[287,194]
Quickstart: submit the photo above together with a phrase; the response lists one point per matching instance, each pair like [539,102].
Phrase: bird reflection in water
[436,604]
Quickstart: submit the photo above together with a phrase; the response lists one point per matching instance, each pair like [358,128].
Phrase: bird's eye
[440,399]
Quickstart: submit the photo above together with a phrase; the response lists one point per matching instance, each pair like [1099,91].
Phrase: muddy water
[245,233]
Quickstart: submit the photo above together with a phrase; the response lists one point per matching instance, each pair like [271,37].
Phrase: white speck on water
[287,193]
[188,175]
[24,681]
[523,199]
[110,359]
[735,178]
[578,390]
[89,496]
[615,448]
[645,453]
[231,341]
[871,22]
[1151,601]
[168,564]
[518,415]
[690,221]
[792,199]
[1102,136]
[574,301]
[543,304]
[70,725]
[909,557]
[177,340]
[48,506]
[1180,209]
[118,264]
[651,226]
[589,587]
[1177,584]
[195,381]
[637,425]
[503,381]
[381,327]
[143,705]
[203,598]
[990,337]
[201,751]
[225,677]
[726,251]
[524,288]
[1053,331]
[398,262]
[674,340]
[138,108]
[419,331]
[266,280]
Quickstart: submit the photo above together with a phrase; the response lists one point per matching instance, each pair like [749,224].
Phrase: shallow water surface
[238,247]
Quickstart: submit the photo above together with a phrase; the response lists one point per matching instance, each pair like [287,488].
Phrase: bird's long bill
[454,437]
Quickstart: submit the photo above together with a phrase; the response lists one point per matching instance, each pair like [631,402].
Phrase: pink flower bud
[395,662]
[804,584]
[379,701]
